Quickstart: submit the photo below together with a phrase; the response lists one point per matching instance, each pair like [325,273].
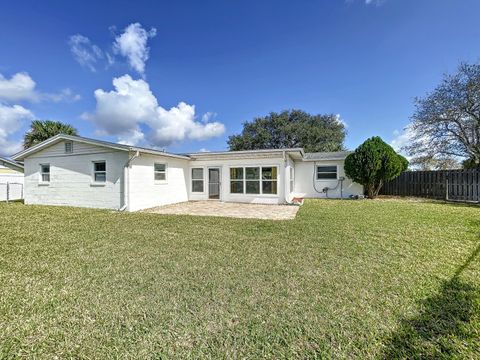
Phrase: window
[269,180]
[69,147]
[45,173]
[252,175]
[292,179]
[197,180]
[253,180]
[160,172]
[100,171]
[326,172]
[236,180]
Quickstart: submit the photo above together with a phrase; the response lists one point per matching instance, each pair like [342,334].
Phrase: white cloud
[22,87]
[132,44]
[374,2]
[134,137]
[203,150]
[208,116]
[368,2]
[120,112]
[19,87]
[401,138]
[12,118]
[84,52]
[64,95]
[341,121]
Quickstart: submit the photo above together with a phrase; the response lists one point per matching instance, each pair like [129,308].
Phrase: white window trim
[203,179]
[99,183]
[40,179]
[160,182]
[316,173]
[261,194]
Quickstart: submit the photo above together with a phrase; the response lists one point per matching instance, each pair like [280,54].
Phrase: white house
[11,179]
[77,171]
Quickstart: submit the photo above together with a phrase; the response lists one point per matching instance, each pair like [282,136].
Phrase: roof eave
[160,153]
[11,162]
[247,152]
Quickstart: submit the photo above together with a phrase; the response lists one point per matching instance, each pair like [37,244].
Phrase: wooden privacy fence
[454,185]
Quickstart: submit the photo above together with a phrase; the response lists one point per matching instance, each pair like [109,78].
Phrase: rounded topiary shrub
[373,163]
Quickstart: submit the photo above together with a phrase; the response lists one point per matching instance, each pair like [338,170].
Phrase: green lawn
[365,279]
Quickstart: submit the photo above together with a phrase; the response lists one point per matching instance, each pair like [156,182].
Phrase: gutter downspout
[286,185]
[126,178]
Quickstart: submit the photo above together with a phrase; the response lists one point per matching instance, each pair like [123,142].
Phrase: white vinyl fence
[11,188]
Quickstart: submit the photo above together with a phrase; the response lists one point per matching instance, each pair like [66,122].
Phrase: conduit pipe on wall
[325,190]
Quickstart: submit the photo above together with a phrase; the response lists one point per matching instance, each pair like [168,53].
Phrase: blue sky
[231,60]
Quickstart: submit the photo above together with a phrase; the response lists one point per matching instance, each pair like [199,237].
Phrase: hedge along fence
[454,185]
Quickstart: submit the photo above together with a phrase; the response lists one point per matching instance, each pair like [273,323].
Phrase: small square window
[160,172]
[68,147]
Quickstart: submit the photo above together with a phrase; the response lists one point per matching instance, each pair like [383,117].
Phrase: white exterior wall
[71,177]
[304,177]
[15,179]
[144,192]
[225,165]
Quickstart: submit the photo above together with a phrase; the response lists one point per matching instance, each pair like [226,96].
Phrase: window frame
[41,173]
[272,180]
[260,180]
[155,172]
[94,172]
[71,147]
[326,172]
[197,179]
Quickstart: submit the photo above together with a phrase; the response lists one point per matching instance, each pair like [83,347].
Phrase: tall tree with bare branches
[446,123]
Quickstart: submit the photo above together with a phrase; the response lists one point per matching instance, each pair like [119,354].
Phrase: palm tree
[41,130]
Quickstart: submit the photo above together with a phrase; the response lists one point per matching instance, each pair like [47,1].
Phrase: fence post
[446,187]
[8,191]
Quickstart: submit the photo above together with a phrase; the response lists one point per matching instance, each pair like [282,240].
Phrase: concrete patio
[223,209]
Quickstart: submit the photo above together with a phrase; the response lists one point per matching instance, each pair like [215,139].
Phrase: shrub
[373,163]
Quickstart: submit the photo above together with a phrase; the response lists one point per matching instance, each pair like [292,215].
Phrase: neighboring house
[77,171]
[11,173]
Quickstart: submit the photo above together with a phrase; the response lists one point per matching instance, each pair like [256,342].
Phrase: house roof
[292,151]
[318,156]
[11,162]
[296,153]
[23,154]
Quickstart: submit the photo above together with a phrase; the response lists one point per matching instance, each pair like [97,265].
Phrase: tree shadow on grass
[443,328]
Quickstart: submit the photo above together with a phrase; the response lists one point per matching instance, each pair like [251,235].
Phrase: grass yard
[364,279]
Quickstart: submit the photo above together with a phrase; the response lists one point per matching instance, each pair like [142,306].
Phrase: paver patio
[224,209]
